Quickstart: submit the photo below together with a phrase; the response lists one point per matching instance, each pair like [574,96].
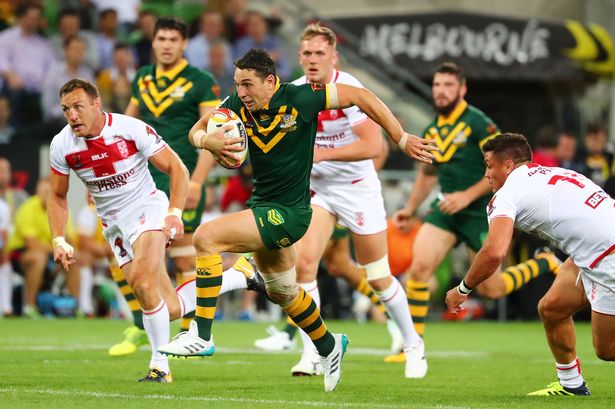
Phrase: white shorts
[357,205]
[599,284]
[122,234]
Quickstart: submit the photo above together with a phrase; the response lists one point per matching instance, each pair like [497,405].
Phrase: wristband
[402,142]
[175,212]
[61,242]
[199,138]
[463,288]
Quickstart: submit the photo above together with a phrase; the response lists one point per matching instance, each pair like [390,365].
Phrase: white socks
[6,289]
[86,282]
[394,299]
[570,374]
[312,289]
[156,324]
[187,297]
[233,280]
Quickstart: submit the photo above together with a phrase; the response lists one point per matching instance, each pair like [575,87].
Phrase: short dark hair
[23,8]
[68,12]
[511,146]
[595,128]
[258,60]
[107,12]
[68,40]
[453,69]
[171,23]
[76,83]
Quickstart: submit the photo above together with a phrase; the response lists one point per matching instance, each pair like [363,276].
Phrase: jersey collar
[172,73]
[277,87]
[454,116]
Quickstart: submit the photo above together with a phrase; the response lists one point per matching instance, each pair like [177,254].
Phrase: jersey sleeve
[503,204]
[310,99]
[57,158]
[147,139]
[209,91]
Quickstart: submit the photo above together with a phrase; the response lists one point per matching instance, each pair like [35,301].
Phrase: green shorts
[192,217]
[339,232]
[280,226]
[469,225]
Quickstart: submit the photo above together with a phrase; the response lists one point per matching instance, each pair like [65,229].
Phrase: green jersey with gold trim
[170,102]
[281,142]
[459,138]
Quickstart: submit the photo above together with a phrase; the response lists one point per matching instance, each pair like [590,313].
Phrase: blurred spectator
[210,31]
[127,12]
[258,36]
[107,37]
[6,286]
[31,249]
[595,156]
[566,152]
[13,197]
[85,9]
[114,83]
[72,66]
[6,130]
[546,144]
[235,19]
[141,39]
[25,59]
[69,25]
[224,75]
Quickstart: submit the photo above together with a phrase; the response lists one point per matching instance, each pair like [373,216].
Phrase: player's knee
[306,267]
[549,308]
[282,288]
[605,351]
[420,271]
[203,240]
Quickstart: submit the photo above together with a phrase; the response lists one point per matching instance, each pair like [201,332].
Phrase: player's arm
[486,262]
[204,164]
[132,109]
[343,96]
[424,183]
[367,146]
[457,201]
[57,212]
[167,161]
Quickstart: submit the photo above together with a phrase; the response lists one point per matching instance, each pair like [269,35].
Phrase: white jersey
[5,216]
[334,131]
[113,165]
[561,206]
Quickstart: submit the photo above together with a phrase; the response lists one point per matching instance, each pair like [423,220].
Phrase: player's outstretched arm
[168,162]
[348,95]
[57,213]
[486,262]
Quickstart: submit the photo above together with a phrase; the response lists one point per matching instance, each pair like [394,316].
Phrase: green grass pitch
[64,364]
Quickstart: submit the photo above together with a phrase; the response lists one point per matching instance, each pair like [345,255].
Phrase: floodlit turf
[64,364]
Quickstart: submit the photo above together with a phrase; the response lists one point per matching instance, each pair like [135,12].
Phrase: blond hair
[315,30]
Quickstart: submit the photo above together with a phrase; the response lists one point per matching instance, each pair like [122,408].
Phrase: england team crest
[360,218]
[123,149]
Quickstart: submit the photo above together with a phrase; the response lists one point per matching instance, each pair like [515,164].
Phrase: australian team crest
[178,93]
[289,122]
[123,149]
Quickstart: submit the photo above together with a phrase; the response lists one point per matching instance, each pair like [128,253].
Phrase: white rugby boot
[188,343]
[332,363]
[416,364]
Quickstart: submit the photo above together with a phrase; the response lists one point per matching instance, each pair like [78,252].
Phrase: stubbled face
[254,91]
[446,91]
[82,113]
[317,58]
[497,171]
[168,46]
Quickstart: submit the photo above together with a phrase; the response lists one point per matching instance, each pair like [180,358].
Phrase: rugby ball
[224,116]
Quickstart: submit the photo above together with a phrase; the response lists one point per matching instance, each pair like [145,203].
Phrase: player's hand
[454,299]
[173,228]
[63,255]
[403,220]
[217,142]
[454,202]
[420,149]
[194,195]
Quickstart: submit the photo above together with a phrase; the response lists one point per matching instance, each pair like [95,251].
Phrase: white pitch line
[247,401]
[351,350]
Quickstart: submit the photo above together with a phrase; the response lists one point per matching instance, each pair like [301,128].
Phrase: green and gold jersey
[170,101]
[459,138]
[281,142]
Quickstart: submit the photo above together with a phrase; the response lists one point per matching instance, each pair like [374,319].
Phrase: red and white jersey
[113,165]
[561,206]
[334,131]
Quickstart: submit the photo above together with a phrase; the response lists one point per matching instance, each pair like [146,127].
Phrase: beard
[448,108]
